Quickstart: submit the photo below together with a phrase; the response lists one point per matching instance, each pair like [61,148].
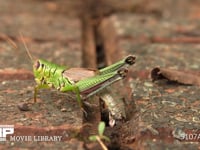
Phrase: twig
[101,143]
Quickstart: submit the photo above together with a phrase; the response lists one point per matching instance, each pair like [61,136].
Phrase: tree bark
[107,33]
[88,43]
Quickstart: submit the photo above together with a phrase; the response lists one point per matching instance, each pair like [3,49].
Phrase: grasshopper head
[39,68]
[40,64]
[36,65]
[36,71]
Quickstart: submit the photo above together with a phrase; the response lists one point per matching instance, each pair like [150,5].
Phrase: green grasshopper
[81,81]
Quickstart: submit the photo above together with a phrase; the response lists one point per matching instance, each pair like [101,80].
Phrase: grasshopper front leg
[40,85]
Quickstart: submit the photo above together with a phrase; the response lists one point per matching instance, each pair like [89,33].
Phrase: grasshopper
[81,81]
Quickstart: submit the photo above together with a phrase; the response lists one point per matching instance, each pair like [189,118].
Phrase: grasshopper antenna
[26,48]
[10,41]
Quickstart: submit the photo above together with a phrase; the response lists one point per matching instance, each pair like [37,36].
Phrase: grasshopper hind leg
[125,63]
[130,60]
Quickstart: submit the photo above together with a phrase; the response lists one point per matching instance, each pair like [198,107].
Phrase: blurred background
[96,33]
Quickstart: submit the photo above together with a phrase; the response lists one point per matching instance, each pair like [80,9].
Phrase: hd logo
[5,130]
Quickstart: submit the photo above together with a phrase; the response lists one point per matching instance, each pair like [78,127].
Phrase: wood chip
[182,77]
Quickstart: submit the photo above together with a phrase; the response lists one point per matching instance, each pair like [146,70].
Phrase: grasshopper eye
[37,65]
[130,60]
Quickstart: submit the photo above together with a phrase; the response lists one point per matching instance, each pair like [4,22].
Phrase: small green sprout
[100,136]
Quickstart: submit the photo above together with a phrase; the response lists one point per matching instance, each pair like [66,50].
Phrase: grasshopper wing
[77,74]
